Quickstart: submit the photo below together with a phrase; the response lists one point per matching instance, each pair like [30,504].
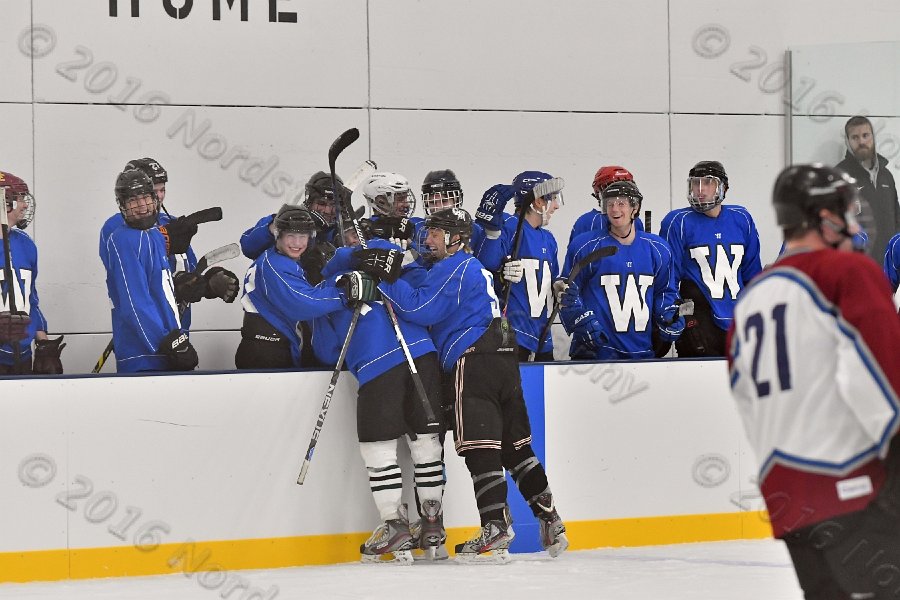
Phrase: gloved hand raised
[493,202]
[178,234]
[221,283]
[384,264]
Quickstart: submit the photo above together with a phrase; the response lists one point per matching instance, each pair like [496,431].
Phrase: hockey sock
[428,460]
[489,482]
[384,476]
[529,475]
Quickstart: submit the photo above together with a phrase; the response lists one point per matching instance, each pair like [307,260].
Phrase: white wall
[486,88]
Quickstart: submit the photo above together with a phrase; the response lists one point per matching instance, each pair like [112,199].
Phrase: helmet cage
[696,183]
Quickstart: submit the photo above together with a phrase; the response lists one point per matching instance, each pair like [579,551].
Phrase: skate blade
[562,542]
[432,553]
[400,557]
[491,557]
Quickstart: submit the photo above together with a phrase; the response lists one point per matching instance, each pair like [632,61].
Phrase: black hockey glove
[46,356]
[396,228]
[177,348]
[189,287]
[493,202]
[178,234]
[221,283]
[13,326]
[358,287]
[314,259]
[384,264]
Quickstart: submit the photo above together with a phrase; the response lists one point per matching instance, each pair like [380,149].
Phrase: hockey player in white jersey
[815,374]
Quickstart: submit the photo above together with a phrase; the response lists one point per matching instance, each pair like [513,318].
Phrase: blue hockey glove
[493,202]
[587,333]
[568,295]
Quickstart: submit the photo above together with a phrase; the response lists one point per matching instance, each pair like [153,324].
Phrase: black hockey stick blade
[207,215]
[340,144]
[592,257]
[226,252]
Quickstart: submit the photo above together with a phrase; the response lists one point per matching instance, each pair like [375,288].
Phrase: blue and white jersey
[177,262]
[140,288]
[258,238]
[23,254]
[719,254]
[596,222]
[530,300]
[374,348]
[630,293]
[456,299]
[276,288]
[475,241]
[892,266]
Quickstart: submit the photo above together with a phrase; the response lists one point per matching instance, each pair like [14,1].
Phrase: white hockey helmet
[389,195]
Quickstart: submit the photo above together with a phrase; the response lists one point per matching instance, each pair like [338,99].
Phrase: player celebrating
[28,322]
[147,331]
[531,272]
[441,189]
[391,204]
[715,250]
[612,306]
[457,300]
[815,374]
[595,220]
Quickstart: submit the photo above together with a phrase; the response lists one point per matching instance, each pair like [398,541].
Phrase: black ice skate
[429,533]
[391,542]
[491,545]
[553,531]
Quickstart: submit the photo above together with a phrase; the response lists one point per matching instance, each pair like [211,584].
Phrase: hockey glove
[13,326]
[177,348]
[46,356]
[315,259]
[189,287]
[384,264]
[358,287]
[221,283]
[391,228]
[569,297]
[178,234]
[587,333]
[493,202]
[511,271]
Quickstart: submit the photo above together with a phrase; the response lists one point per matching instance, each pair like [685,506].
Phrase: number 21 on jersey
[764,334]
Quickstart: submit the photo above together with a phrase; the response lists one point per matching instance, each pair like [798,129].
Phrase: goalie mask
[19,201]
[389,195]
[455,224]
[622,191]
[137,201]
[706,185]
[441,189]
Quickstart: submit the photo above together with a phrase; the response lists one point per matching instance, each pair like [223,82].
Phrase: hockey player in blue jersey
[278,296]
[715,248]
[388,406]
[531,272]
[441,189]
[595,220]
[477,350]
[27,323]
[613,305]
[147,331]
[892,266]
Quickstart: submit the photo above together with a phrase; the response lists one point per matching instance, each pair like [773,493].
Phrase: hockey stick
[313,440]
[598,254]
[357,177]
[226,252]
[647,223]
[11,283]
[344,140]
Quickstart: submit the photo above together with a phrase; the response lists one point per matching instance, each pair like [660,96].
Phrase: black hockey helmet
[802,191]
[452,220]
[319,186]
[707,168]
[150,167]
[295,219]
[440,187]
[134,183]
[622,189]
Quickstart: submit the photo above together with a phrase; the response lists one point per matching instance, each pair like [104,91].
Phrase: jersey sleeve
[258,238]
[671,233]
[288,289]
[493,251]
[751,265]
[433,300]
[665,293]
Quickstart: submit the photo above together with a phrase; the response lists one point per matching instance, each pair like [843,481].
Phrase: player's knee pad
[425,448]
[378,454]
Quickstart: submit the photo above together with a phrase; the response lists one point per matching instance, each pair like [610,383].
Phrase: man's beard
[864,153]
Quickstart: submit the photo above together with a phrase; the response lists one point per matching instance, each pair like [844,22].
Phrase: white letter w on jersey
[539,298]
[726,270]
[633,303]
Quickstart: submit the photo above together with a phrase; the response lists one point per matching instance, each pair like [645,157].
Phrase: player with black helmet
[27,323]
[816,376]
[715,249]
[478,354]
[147,331]
[442,189]
[594,221]
[278,295]
[614,307]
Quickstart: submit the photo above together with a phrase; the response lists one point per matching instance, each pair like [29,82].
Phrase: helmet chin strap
[841,230]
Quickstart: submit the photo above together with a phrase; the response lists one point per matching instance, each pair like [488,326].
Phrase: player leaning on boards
[21,319]
[614,305]
[715,250]
[477,350]
[815,374]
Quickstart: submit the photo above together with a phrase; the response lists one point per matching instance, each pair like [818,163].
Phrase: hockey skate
[490,546]
[391,542]
[553,531]
[429,534]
